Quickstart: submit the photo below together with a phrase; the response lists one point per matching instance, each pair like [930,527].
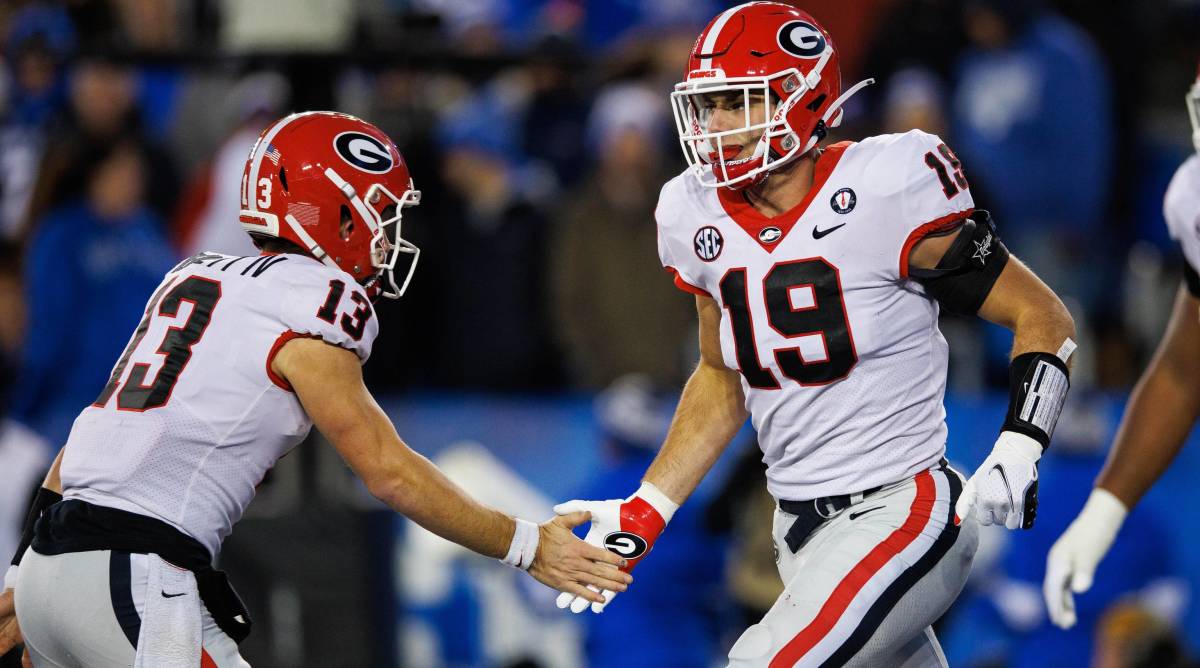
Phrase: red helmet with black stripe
[765,49]
[328,182]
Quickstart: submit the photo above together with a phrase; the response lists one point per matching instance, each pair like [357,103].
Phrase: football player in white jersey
[818,275]
[1162,409]
[235,360]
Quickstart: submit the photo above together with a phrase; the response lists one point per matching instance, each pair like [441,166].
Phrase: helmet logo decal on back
[363,152]
[708,243]
[802,39]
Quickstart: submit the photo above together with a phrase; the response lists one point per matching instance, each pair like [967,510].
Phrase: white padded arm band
[524,545]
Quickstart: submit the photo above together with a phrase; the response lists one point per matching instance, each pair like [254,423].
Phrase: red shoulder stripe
[684,285]
[944,223]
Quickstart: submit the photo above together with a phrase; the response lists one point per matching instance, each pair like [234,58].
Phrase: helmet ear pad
[801,112]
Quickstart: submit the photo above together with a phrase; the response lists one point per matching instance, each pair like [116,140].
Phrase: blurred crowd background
[539,351]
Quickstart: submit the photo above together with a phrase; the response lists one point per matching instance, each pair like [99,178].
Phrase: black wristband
[44,499]
[1038,384]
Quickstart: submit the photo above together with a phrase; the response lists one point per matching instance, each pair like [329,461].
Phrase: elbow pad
[967,271]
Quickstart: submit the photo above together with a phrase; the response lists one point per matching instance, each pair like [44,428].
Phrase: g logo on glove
[628,545]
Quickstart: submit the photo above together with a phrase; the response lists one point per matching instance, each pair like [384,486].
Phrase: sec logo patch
[843,201]
[708,243]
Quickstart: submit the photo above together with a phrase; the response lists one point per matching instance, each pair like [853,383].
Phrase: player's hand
[1072,561]
[1004,489]
[10,631]
[627,527]
[572,566]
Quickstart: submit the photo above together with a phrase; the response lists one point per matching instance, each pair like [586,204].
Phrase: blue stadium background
[539,132]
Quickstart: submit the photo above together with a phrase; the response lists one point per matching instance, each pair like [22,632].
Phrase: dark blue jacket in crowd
[1033,127]
[86,285]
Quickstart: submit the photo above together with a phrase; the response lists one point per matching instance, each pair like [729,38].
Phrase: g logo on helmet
[364,152]
[628,545]
[801,38]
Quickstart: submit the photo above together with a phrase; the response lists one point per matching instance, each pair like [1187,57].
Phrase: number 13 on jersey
[176,346]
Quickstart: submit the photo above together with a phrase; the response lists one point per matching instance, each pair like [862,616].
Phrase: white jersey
[193,417]
[1181,208]
[841,360]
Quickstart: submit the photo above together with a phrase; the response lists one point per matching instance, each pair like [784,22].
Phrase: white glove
[1004,489]
[1072,561]
[628,527]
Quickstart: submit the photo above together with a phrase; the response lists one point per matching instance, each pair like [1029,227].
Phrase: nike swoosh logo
[166,595]
[1000,469]
[817,234]
[854,516]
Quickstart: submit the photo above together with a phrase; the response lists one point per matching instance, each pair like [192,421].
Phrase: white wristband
[10,577]
[524,545]
[1021,444]
[1103,512]
[657,500]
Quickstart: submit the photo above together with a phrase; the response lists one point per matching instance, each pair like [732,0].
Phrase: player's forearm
[423,494]
[413,486]
[1021,302]
[710,413]
[1042,328]
[1161,411]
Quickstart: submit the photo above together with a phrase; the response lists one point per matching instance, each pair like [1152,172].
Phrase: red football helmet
[327,182]
[759,48]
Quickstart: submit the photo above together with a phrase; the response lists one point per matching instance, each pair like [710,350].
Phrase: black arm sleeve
[44,499]
[967,271]
[1191,278]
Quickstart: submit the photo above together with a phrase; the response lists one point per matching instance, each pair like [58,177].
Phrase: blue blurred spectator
[102,110]
[602,261]
[487,256]
[91,266]
[668,618]
[1031,120]
[607,22]
[554,115]
[38,40]
[24,457]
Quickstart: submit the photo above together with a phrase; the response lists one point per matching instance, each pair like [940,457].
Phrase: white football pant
[866,585]
[85,610]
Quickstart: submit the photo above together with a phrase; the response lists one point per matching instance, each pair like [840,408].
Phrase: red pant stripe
[863,571]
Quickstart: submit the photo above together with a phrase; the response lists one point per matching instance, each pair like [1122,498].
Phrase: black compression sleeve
[44,499]
[1038,384]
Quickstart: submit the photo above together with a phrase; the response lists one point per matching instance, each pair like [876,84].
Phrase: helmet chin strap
[835,109]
